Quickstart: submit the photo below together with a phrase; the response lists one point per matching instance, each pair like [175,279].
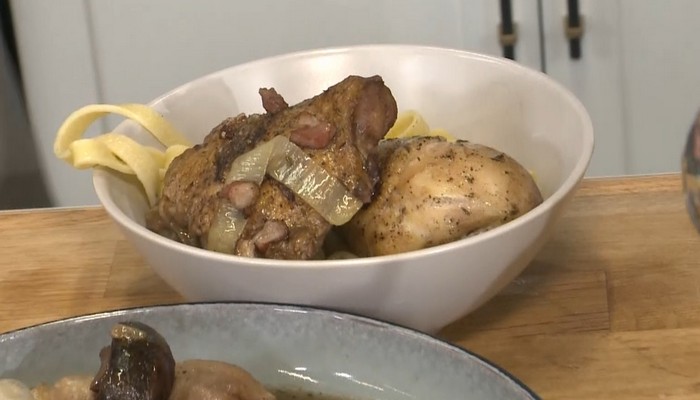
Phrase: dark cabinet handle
[507,30]
[573,29]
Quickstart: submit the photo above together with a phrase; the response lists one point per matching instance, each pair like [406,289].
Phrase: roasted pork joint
[337,132]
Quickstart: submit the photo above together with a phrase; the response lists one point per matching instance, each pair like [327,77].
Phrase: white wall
[54,45]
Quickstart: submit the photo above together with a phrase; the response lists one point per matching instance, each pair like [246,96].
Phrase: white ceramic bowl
[486,100]
[284,347]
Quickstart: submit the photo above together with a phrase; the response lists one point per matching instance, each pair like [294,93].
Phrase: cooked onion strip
[119,152]
[290,165]
[225,229]
[229,222]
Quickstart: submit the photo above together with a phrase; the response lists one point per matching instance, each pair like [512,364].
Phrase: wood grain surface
[609,309]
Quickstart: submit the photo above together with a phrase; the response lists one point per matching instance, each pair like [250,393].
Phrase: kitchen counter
[609,309]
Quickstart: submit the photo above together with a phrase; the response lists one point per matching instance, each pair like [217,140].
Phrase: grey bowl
[283,346]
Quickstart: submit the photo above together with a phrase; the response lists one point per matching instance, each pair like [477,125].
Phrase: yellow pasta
[411,123]
[408,123]
[119,152]
[123,154]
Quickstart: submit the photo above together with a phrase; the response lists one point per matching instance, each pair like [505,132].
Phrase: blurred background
[633,63]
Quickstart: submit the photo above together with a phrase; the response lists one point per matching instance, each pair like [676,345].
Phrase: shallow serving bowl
[487,100]
[284,347]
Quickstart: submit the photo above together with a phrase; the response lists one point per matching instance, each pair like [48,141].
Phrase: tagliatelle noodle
[119,152]
[411,123]
[281,159]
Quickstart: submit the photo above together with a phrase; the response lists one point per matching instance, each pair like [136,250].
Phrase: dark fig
[137,365]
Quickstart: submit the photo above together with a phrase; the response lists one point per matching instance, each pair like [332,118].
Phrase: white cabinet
[77,52]
[638,77]
[595,78]
[661,79]
[145,48]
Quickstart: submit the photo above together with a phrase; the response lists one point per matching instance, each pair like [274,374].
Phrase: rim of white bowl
[569,184]
[283,307]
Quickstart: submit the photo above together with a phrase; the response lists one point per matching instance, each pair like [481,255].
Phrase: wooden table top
[610,308]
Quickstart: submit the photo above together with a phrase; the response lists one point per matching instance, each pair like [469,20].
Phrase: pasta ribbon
[411,123]
[118,152]
[123,154]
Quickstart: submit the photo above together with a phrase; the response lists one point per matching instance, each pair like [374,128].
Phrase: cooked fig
[137,365]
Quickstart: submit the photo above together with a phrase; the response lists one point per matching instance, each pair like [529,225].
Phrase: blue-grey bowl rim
[356,317]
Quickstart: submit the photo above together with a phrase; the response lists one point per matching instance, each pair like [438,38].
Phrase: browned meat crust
[339,130]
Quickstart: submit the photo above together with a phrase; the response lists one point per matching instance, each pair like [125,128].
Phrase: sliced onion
[229,222]
[291,166]
[225,229]
[251,166]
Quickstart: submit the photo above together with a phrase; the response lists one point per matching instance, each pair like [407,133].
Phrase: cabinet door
[638,77]
[660,80]
[146,48]
[596,78]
